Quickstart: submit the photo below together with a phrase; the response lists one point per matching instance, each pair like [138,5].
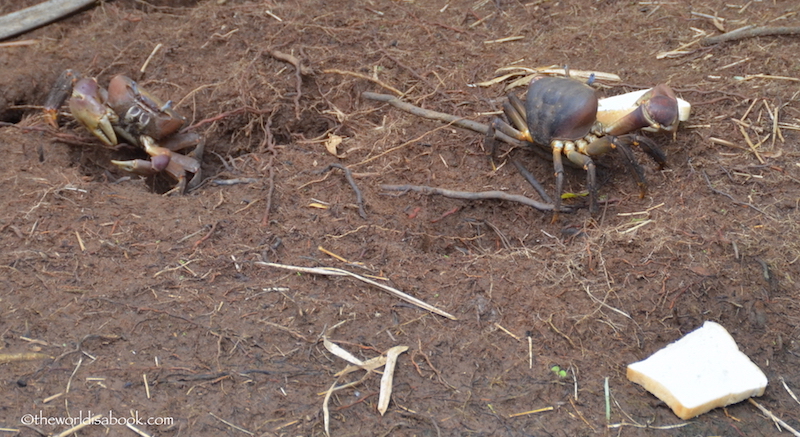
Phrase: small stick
[581,414]
[52,398]
[285,57]
[149,58]
[27,42]
[530,352]
[396,148]
[737,202]
[238,428]
[446,214]
[137,430]
[269,141]
[607,391]
[426,113]
[500,327]
[774,418]
[349,176]
[468,195]
[749,32]
[206,236]
[30,18]
[365,77]
[409,69]
[22,356]
[74,371]
[236,181]
[791,393]
[146,385]
[525,413]
[506,39]
[80,241]
[83,424]
[299,71]
[750,144]
[330,271]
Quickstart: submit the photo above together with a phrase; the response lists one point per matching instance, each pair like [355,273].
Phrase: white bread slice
[702,371]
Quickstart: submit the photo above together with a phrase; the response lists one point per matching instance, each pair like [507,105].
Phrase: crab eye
[144,121]
[133,114]
[138,117]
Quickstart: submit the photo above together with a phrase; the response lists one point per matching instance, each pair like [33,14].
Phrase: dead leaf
[388,375]
[332,143]
[341,353]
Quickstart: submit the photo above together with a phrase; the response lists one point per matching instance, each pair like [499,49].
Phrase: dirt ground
[123,302]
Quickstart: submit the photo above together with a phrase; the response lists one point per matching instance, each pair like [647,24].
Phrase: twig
[525,413]
[365,77]
[27,42]
[238,428]
[409,69]
[83,424]
[299,70]
[285,57]
[269,140]
[206,236]
[30,18]
[22,356]
[396,148]
[791,393]
[749,32]
[237,111]
[738,202]
[648,426]
[150,58]
[137,430]
[553,327]
[469,195]
[146,385]
[750,144]
[236,181]
[330,271]
[349,176]
[426,113]
[775,418]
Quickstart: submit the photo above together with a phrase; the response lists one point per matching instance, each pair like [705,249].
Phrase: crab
[562,114]
[126,111]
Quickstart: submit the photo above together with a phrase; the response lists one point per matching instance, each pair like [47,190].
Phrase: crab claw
[176,165]
[87,105]
[656,110]
[660,108]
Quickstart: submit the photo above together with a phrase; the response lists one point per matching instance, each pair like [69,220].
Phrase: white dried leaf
[388,376]
[341,353]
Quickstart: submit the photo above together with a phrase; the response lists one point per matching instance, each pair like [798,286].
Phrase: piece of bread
[701,371]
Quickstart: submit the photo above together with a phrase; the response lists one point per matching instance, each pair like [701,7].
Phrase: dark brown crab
[561,114]
[128,112]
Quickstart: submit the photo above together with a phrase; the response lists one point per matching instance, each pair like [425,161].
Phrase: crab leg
[584,161]
[638,173]
[515,112]
[59,94]
[558,167]
[142,167]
